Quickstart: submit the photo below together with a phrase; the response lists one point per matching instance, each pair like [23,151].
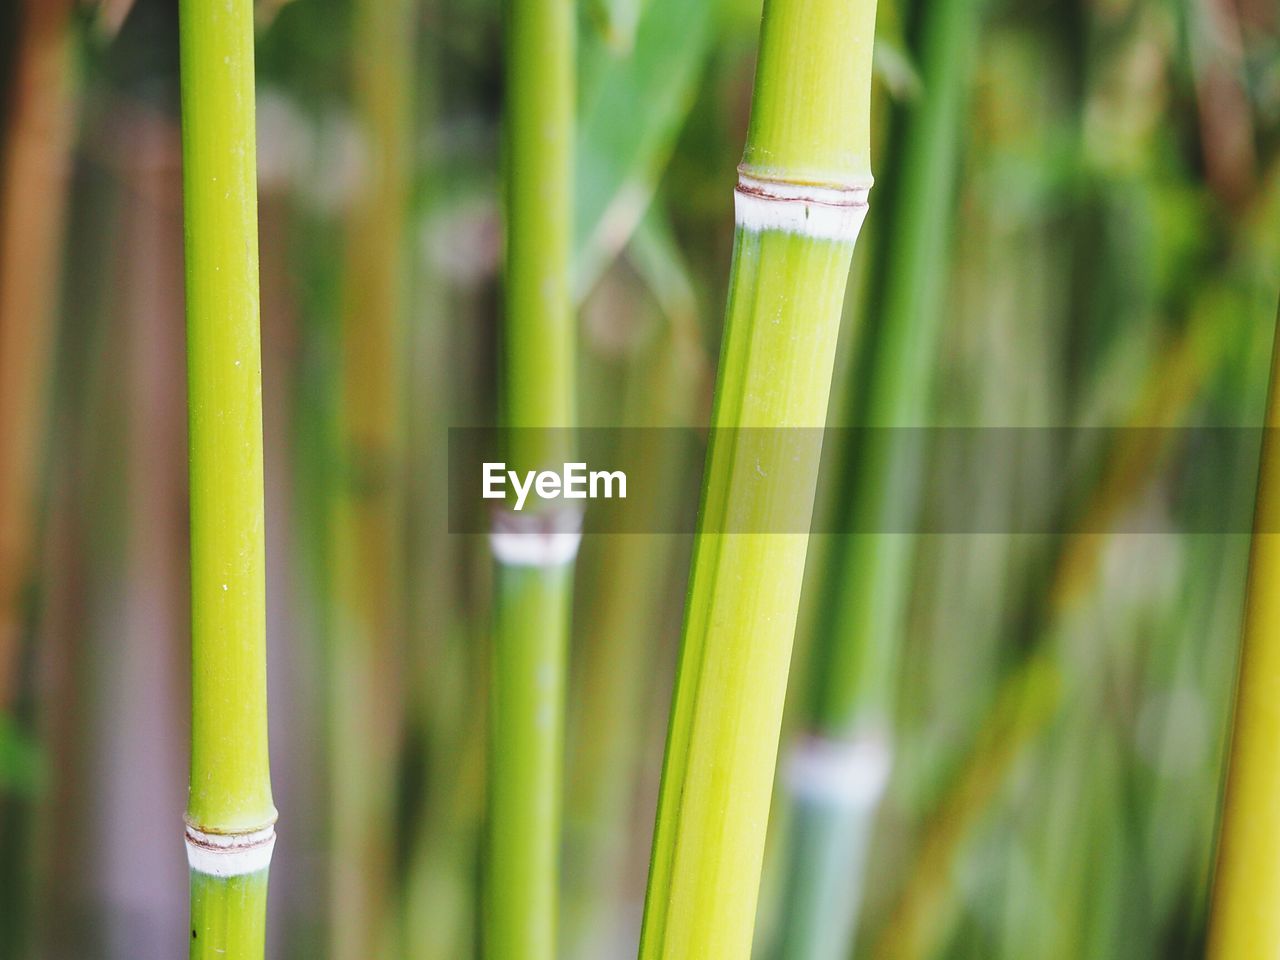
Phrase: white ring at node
[823,213]
[850,774]
[533,540]
[229,854]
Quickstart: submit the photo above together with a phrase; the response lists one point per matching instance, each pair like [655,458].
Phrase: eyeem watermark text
[574,482]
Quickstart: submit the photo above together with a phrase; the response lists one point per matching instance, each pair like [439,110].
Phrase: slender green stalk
[800,201]
[533,553]
[841,766]
[614,701]
[368,509]
[438,908]
[1244,921]
[855,664]
[539,379]
[1030,697]
[532,622]
[230,816]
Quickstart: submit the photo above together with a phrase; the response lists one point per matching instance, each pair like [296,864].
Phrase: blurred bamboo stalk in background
[35,167]
[230,814]
[367,664]
[33,196]
[533,551]
[619,635]
[1244,921]
[837,772]
[1029,698]
[445,734]
[667,375]
[800,201]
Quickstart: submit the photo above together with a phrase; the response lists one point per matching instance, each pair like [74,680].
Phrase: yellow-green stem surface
[810,126]
[230,788]
[230,782]
[775,369]
[368,505]
[811,107]
[525,766]
[532,603]
[228,916]
[1245,921]
[538,363]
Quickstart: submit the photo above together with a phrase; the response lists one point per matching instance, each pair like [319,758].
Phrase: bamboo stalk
[1029,698]
[367,692]
[800,202]
[230,815]
[531,625]
[34,188]
[838,770]
[1243,919]
[533,553]
[438,908]
[32,198]
[613,705]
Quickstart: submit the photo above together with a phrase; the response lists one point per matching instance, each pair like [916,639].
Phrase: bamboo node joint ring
[546,539]
[846,774]
[229,854]
[820,212]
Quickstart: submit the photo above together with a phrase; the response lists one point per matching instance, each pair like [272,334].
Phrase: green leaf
[617,21]
[660,263]
[631,112]
[896,69]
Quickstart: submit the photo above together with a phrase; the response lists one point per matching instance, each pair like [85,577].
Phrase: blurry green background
[1087,233]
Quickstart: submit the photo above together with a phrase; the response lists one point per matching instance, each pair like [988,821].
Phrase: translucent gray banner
[939,480]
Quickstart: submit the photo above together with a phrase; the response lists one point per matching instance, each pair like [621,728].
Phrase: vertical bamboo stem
[230,815]
[524,830]
[838,771]
[1244,921]
[533,553]
[623,624]
[32,196]
[438,908]
[1030,697]
[800,202]
[367,691]
[34,168]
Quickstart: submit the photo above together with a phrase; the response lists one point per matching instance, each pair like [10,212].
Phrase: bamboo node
[229,854]
[844,774]
[545,539]
[811,210]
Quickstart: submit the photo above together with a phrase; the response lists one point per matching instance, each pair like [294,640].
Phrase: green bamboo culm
[1246,881]
[533,550]
[800,201]
[837,773]
[230,816]
[367,506]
